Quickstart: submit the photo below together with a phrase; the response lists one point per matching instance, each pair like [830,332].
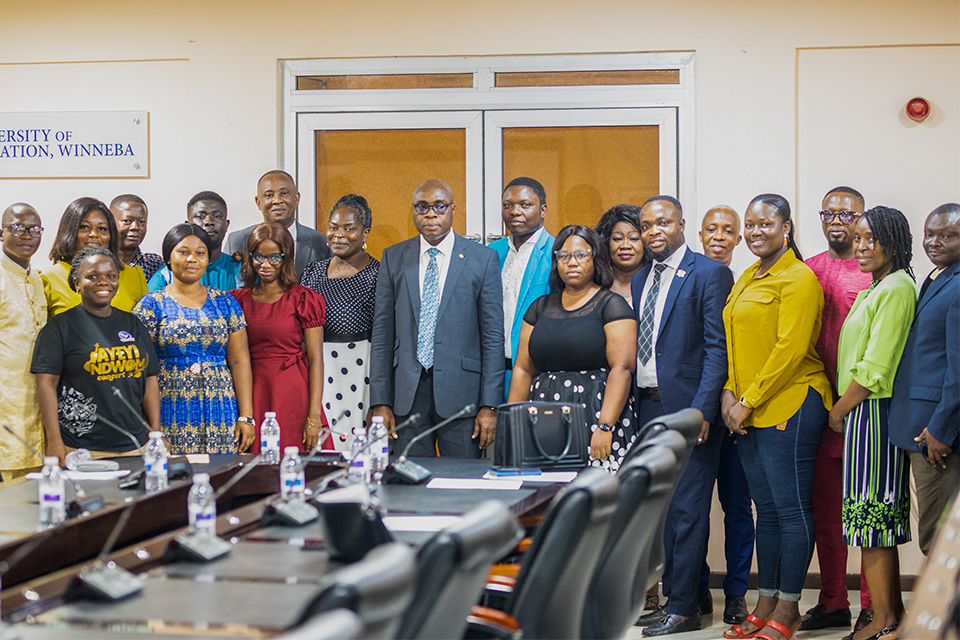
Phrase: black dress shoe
[819,617]
[705,603]
[735,610]
[674,623]
[865,618]
[654,617]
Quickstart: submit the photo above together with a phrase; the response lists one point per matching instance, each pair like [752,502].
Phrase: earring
[364,246]
[785,240]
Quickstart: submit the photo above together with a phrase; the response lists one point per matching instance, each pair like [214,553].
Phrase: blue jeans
[779,464]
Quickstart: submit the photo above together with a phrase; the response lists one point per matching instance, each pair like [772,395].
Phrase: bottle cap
[291,451]
[377,419]
[155,435]
[201,477]
[51,460]
[269,414]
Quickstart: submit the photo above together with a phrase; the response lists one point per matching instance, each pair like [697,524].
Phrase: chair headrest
[601,486]
[381,585]
[657,462]
[484,533]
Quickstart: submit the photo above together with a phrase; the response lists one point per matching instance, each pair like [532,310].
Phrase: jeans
[779,464]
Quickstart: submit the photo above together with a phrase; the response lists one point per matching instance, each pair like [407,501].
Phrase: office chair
[548,597]
[645,486]
[378,588]
[336,624]
[452,571]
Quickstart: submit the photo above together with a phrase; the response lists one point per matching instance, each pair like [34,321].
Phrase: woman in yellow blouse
[775,402]
[87,222]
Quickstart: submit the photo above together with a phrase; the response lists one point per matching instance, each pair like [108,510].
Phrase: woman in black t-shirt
[579,344]
[83,354]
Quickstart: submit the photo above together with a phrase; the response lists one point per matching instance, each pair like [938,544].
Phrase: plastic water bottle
[291,475]
[359,470]
[380,449]
[201,507]
[155,463]
[270,438]
[53,508]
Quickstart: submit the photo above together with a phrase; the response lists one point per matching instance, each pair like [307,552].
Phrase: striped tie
[645,335]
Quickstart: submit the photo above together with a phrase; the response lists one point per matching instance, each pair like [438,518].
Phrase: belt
[652,393]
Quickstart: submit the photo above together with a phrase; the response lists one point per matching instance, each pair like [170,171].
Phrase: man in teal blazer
[526,255]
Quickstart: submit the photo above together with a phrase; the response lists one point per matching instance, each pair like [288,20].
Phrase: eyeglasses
[274,258]
[439,207]
[19,230]
[581,256]
[846,217]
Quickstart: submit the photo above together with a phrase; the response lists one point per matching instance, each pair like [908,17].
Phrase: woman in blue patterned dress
[206,385]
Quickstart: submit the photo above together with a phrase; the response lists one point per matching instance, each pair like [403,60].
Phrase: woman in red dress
[285,331]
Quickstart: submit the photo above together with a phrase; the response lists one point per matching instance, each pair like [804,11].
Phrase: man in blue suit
[437,341]
[681,347]
[925,408]
[526,255]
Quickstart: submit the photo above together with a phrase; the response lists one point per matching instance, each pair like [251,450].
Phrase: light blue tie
[429,302]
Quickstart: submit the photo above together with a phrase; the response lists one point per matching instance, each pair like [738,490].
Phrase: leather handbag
[549,436]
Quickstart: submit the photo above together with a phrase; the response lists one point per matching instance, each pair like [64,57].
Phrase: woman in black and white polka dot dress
[347,282]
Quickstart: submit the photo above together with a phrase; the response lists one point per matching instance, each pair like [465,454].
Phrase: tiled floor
[713,626]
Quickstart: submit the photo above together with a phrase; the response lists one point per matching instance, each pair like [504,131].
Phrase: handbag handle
[567,421]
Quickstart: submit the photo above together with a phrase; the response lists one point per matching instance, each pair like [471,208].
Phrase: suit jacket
[691,343]
[468,354]
[311,245]
[535,283]
[925,387]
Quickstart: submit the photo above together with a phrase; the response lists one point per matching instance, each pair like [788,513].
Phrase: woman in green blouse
[876,493]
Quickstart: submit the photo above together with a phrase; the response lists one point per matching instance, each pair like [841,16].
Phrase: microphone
[132,480]
[6,632]
[409,472]
[107,581]
[81,502]
[175,470]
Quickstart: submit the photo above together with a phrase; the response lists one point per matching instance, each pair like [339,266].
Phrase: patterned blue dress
[198,407]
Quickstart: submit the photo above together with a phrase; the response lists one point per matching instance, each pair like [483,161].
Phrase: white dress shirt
[647,373]
[293,232]
[443,259]
[514,266]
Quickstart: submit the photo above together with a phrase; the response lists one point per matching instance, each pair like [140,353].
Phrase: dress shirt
[443,259]
[514,266]
[293,233]
[647,373]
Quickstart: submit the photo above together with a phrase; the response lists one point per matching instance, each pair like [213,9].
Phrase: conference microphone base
[289,514]
[8,632]
[197,548]
[406,472]
[86,505]
[108,583]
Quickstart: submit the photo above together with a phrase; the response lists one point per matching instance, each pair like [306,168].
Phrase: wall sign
[75,144]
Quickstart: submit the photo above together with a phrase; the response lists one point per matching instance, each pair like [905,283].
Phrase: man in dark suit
[277,198]
[681,347]
[437,341]
[526,257]
[925,408]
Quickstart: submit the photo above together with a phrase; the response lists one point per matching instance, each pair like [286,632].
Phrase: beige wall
[212,82]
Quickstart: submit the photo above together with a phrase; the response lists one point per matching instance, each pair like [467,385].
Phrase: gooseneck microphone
[107,581]
[409,472]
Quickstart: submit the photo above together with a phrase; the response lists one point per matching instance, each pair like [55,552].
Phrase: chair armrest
[511,570]
[484,622]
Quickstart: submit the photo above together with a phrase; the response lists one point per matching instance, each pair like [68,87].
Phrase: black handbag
[550,436]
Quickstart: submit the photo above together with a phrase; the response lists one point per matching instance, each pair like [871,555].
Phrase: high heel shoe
[877,635]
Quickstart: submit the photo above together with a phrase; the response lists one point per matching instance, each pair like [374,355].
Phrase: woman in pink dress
[285,331]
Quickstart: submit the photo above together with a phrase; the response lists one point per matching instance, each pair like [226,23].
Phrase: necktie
[645,335]
[429,302]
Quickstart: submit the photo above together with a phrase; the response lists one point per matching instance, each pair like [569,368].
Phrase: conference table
[271,573]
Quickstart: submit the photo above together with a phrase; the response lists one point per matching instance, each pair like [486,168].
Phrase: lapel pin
[461,256]
[681,273]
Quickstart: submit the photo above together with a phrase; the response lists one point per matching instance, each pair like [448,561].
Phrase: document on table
[545,476]
[86,475]
[505,484]
[418,523]
[198,458]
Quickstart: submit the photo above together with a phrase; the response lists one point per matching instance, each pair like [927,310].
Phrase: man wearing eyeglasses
[23,312]
[681,349]
[841,279]
[209,211]
[437,343]
[277,198]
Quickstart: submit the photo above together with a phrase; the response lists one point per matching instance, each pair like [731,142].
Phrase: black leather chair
[452,571]
[646,483]
[338,624]
[378,588]
[548,597]
[687,422]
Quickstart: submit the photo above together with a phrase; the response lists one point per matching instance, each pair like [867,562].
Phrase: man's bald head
[433,209]
[15,209]
[431,185]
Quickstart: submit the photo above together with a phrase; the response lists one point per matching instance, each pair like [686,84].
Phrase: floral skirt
[587,387]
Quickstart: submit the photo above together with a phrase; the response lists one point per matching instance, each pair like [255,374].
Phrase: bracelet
[246,419]
[313,425]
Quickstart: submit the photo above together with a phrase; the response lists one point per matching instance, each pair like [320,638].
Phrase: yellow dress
[60,297]
[23,312]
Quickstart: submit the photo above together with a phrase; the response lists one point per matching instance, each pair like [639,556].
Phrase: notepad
[198,458]
[419,523]
[86,475]
[504,484]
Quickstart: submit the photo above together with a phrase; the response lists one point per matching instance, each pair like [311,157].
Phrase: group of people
[818,381]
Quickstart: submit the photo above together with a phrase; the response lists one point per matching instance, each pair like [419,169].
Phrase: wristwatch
[605,427]
[247,419]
